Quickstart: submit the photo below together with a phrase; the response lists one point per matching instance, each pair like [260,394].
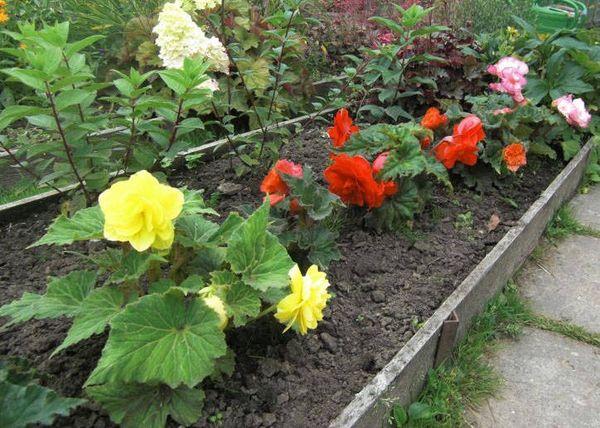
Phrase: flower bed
[266,287]
[385,286]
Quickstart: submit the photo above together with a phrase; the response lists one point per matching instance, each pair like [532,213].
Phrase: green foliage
[161,339]
[165,311]
[483,16]
[63,297]
[24,402]
[386,74]
[95,312]
[304,230]
[134,405]
[562,63]
[63,102]
[256,254]
[85,224]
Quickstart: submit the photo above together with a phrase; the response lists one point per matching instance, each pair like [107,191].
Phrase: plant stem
[267,311]
[173,136]
[240,74]
[66,146]
[132,136]
[25,168]
[228,76]
[277,79]
[279,63]
[230,143]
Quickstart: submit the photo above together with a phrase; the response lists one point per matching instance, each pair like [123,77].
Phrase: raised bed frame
[403,378]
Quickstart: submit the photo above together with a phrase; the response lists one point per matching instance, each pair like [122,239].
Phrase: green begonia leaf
[136,405]
[133,265]
[195,231]
[257,255]
[63,297]
[94,315]
[242,302]
[23,405]
[164,338]
[316,199]
[86,224]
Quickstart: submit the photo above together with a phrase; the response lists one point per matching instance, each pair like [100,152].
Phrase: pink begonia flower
[508,62]
[573,110]
[505,110]
[512,73]
[379,162]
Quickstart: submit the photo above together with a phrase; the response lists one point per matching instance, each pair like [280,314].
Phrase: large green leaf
[193,203]
[195,231]
[321,245]
[161,338]
[135,405]
[242,302]
[86,224]
[406,160]
[257,255]
[94,315]
[63,297]
[22,405]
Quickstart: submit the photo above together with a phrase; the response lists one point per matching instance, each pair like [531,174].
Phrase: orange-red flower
[351,178]
[342,128]
[425,143]
[274,186]
[462,145]
[514,156]
[433,119]
[470,130]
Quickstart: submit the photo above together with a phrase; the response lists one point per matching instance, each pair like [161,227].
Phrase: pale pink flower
[508,62]
[379,162]
[511,72]
[505,110]
[573,110]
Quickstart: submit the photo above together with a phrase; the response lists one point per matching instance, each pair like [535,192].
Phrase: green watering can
[550,16]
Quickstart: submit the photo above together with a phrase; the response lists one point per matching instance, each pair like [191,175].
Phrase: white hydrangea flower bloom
[206,4]
[213,49]
[179,37]
[210,84]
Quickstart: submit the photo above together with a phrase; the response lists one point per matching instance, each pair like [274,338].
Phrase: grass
[467,379]
[22,189]
[564,224]
[565,329]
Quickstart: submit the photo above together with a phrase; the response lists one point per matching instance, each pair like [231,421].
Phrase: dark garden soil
[384,287]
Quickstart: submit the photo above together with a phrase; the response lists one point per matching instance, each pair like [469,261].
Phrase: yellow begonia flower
[217,305]
[141,211]
[304,307]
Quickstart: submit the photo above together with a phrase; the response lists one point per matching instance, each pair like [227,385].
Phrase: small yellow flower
[3,17]
[304,307]
[216,304]
[141,211]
